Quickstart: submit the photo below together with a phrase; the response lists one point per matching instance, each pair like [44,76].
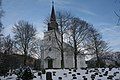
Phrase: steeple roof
[53,25]
[53,16]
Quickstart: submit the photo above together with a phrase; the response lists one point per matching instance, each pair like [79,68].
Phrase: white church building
[51,57]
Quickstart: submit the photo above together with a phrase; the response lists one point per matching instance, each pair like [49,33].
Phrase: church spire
[53,17]
[52,25]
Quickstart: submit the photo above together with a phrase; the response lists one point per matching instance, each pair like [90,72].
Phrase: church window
[50,49]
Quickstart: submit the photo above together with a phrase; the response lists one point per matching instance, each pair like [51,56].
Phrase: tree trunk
[25,57]
[75,58]
[62,60]
[62,53]
[98,60]
[75,52]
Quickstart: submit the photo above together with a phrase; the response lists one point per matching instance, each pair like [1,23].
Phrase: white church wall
[68,61]
[81,61]
[45,64]
[57,63]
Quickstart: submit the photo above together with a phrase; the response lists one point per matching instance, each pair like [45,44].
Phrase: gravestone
[85,79]
[117,72]
[78,73]
[103,70]
[92,76]
[70,72]
[69,69]
[74,70]
[114,73]
[74,77]
[86,72]
[39,73]
[106,73]
[100,75]
[110,69]
[48,76]
[59,78]
[65,74]
[96,73]
[54,73]
[84,76]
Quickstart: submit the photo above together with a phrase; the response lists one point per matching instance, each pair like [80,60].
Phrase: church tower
[53,25]
[51,57]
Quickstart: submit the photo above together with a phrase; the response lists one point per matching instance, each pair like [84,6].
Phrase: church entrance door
[50,63]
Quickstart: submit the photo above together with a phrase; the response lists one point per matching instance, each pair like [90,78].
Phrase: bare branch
[24,35]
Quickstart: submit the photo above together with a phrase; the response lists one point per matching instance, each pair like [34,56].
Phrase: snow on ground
[100,74]
[79,74]
[13,77]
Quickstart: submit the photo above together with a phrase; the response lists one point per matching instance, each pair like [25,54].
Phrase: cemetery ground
[72,74]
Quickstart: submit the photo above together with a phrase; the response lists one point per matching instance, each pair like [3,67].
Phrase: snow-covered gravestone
[48,76]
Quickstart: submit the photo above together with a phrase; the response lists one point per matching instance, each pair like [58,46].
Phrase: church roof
[48,58]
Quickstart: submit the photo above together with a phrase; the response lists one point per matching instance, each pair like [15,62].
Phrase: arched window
[50,49]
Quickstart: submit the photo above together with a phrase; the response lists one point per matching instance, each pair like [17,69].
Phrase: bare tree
[116,58]
[63,19]
[8,45]
[36,48]
[78,31]
[24,33]
[118,15]
[1,25]
[117,12]
[1,15]
[95,45]
[7,50]
[3,68]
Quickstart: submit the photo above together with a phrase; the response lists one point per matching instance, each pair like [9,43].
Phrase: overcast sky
[100,13]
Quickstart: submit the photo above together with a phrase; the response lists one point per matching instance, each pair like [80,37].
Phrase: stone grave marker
[65,74]
[74,77]
[59,78]
[48,76]
[54,73]
[78,73]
